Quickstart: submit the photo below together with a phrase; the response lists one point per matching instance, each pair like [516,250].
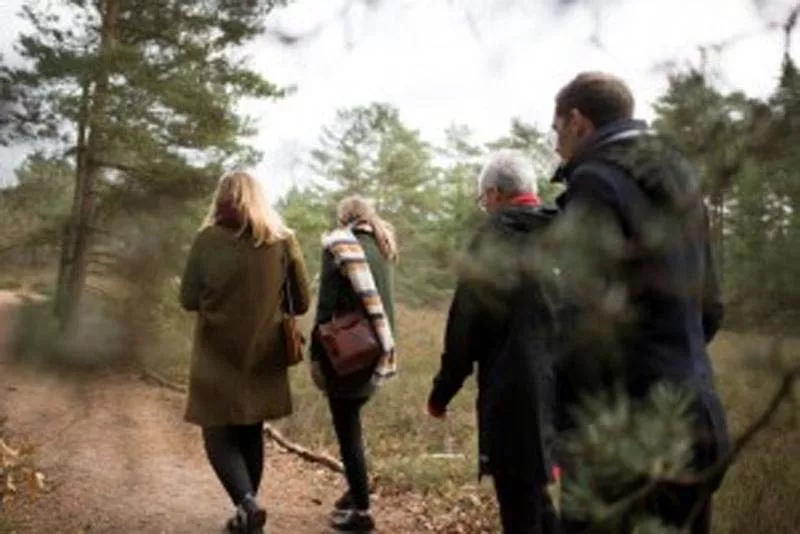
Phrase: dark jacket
[336,296]
[501,320]
[238,372]
[639,238]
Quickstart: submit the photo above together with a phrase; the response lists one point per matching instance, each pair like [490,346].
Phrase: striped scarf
[350,258]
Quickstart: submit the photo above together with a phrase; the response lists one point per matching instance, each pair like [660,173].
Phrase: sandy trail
[119,459]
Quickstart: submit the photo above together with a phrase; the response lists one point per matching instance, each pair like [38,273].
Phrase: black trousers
[346,415]
[525,507]
[236,454]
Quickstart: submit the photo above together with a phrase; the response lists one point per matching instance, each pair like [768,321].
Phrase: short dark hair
[600,97]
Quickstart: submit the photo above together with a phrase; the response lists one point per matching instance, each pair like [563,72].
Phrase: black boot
[354,521]
[250,518]
[342,505]
[256,515]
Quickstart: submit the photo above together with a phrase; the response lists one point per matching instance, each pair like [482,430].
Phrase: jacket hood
[625,131]
[661,170]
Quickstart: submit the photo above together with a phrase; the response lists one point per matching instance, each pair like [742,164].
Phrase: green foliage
[309,213]
[160,96]
[35,210]
[745,152]
[427,192]
[621,447]
[142,95]
[44,187]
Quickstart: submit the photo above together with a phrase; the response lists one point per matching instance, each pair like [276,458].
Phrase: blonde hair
[243,193]
[356,209]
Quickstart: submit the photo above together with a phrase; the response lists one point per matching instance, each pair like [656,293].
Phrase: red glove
[556,473]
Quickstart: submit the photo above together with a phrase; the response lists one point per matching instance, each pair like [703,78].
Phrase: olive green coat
[238,372]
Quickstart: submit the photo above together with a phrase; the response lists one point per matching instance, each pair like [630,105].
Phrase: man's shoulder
[597,173]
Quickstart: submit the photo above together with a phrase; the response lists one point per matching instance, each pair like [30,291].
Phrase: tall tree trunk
[71,226]
[84,200]
[63,269]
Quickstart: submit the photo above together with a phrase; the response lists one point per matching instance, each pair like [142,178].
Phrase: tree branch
[783,391]
[623,505]
[291,39]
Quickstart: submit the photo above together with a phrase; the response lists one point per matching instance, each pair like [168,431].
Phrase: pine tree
[141,93]
[369,151]
[309,213]
[459,165]
[36,206]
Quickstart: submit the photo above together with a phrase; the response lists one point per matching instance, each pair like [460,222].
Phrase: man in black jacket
[500,319]
[638,279]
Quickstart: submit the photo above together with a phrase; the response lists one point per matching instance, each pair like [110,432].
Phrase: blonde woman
[234,280]
[362,245]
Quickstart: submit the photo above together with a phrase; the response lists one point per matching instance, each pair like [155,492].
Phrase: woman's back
[239,350]
[346,286]
[337,297]
[382,271]
[344,296]
[240,299]
[234,279]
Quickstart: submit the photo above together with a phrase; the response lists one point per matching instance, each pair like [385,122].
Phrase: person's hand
[435,412]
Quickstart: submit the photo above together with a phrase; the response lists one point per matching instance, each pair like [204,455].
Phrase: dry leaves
[16,472]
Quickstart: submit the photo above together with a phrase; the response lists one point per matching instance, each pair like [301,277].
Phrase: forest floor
[117,457]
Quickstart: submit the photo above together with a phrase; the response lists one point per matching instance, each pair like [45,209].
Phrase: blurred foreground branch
[782,393]
[606,515]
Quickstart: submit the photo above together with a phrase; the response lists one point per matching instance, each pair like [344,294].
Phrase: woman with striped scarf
[357,275]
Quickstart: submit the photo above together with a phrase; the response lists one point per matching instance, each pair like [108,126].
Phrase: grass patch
[400,437]
[760,494]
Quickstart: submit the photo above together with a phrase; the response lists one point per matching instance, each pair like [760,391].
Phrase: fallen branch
[306,454]
[163,382]
[269,431]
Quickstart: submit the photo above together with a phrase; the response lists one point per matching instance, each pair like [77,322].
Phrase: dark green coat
[336,295]
[238,375]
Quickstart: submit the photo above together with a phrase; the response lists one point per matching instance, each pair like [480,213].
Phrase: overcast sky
[477,62]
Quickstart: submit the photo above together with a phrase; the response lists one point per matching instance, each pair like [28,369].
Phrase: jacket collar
[607,135]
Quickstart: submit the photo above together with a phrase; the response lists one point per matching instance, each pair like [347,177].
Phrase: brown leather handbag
[294,339]
[350,343]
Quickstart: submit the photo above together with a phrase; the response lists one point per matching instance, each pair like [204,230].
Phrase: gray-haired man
[500,320]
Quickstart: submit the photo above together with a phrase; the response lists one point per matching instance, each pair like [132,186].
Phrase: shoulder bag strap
[286,290]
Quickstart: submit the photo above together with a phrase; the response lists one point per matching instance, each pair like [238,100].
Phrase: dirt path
[119,459]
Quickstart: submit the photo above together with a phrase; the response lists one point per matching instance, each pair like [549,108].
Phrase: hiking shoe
[236,524]
[354,521]
[255,514]
[344,503]
[250,518]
